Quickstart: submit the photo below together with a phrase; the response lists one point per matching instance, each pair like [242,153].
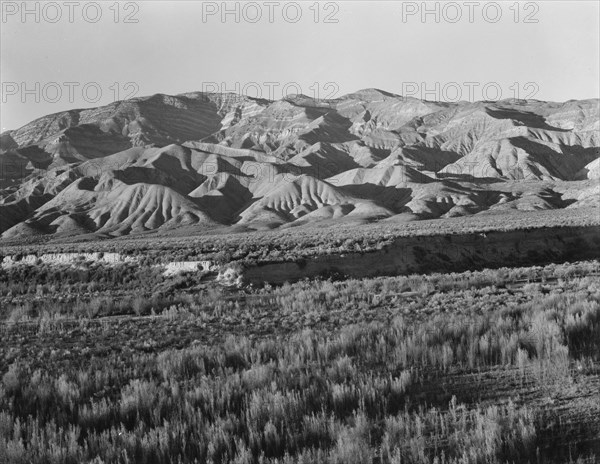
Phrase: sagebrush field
[125,364]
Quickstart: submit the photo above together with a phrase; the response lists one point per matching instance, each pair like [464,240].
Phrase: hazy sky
[67,56]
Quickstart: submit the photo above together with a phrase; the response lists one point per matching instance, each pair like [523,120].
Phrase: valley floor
[128,365]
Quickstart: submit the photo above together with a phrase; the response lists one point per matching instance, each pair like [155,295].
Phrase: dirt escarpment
[443,253]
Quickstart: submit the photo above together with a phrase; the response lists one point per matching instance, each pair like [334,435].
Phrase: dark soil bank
[444,253]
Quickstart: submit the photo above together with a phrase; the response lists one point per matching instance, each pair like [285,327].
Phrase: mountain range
[217,160]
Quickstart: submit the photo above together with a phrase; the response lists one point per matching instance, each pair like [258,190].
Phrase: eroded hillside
[213,160]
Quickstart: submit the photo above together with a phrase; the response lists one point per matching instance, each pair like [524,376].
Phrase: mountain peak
[219,159]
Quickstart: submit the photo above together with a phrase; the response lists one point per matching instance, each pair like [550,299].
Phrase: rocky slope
[210,160]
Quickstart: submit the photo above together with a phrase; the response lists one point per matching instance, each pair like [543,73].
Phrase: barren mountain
[214,160]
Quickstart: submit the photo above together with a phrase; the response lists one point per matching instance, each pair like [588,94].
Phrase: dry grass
[463,368]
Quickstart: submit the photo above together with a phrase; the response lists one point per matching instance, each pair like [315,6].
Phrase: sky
[57,56]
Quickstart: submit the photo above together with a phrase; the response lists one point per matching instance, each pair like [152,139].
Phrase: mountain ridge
[212,159]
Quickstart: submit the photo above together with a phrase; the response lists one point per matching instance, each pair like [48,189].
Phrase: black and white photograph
[300,232]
